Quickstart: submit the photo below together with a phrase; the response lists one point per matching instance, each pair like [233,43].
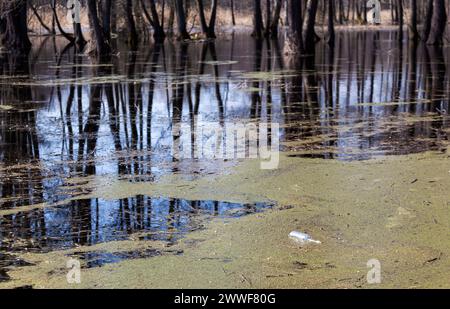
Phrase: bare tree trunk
[310,22]
[331,34]
[2,29]
[438,24]
[213,18]
[428,20]
[181,20]
[413,33]
[233,16]
[208,29]
[131,24]
[341,11]
[201,12]
[69,37]
[171,21]
[79,40]
[113,17]
[268,18]
[36,13]
[276,19]
[102,46]
[286,17]
[16,29]
[106,20]
[294,39]
[400,19]
[158,27]
[257,20]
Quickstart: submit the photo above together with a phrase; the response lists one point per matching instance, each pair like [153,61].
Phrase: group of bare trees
[299,17]
[302,15]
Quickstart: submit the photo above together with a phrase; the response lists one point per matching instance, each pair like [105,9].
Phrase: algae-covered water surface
[120,167]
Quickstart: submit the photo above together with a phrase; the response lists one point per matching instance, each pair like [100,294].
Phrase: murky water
[93,221]
[89,222]
[63,118]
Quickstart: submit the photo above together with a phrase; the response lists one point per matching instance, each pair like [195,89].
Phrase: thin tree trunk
[208,29]
[400,19]
[276,19]
[40,19]
[2,29]
[58,24]
[428,20]
[106,20]
[181,20]
[213,18]
[310,22]
[331,34]
[438,24]
[131,24]
[257,20]
[268,18]
[102,46]
[233,16]
[201,12]
[171,21]
[158,28]
[413,33]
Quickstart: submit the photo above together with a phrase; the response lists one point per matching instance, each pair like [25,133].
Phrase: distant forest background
[103,20]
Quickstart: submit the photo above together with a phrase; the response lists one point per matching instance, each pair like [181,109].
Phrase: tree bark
[438,24]
[69,37]
[36,13]
[233,16]
[428,20]
[16,29]
[268,18]
[208,29]
[294,39]
[413,33]
[131,24]
[181,20]
[310,22]
[331,33]
[276,19]
[257,20]
[154,20]
[2,29]
[106,20]
[400,19]
[102,46]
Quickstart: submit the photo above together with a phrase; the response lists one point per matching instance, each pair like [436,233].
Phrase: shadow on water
[63,118]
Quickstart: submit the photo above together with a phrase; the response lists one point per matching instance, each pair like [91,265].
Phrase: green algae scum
[114,175]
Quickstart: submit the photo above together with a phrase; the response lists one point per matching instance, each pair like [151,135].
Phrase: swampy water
[65,120]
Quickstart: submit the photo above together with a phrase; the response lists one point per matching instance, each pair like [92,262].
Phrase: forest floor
[393,209]
[244,22]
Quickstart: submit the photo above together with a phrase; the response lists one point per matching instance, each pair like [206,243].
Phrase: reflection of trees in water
[19,147]
[19,142]
[380,73]
[92,221]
